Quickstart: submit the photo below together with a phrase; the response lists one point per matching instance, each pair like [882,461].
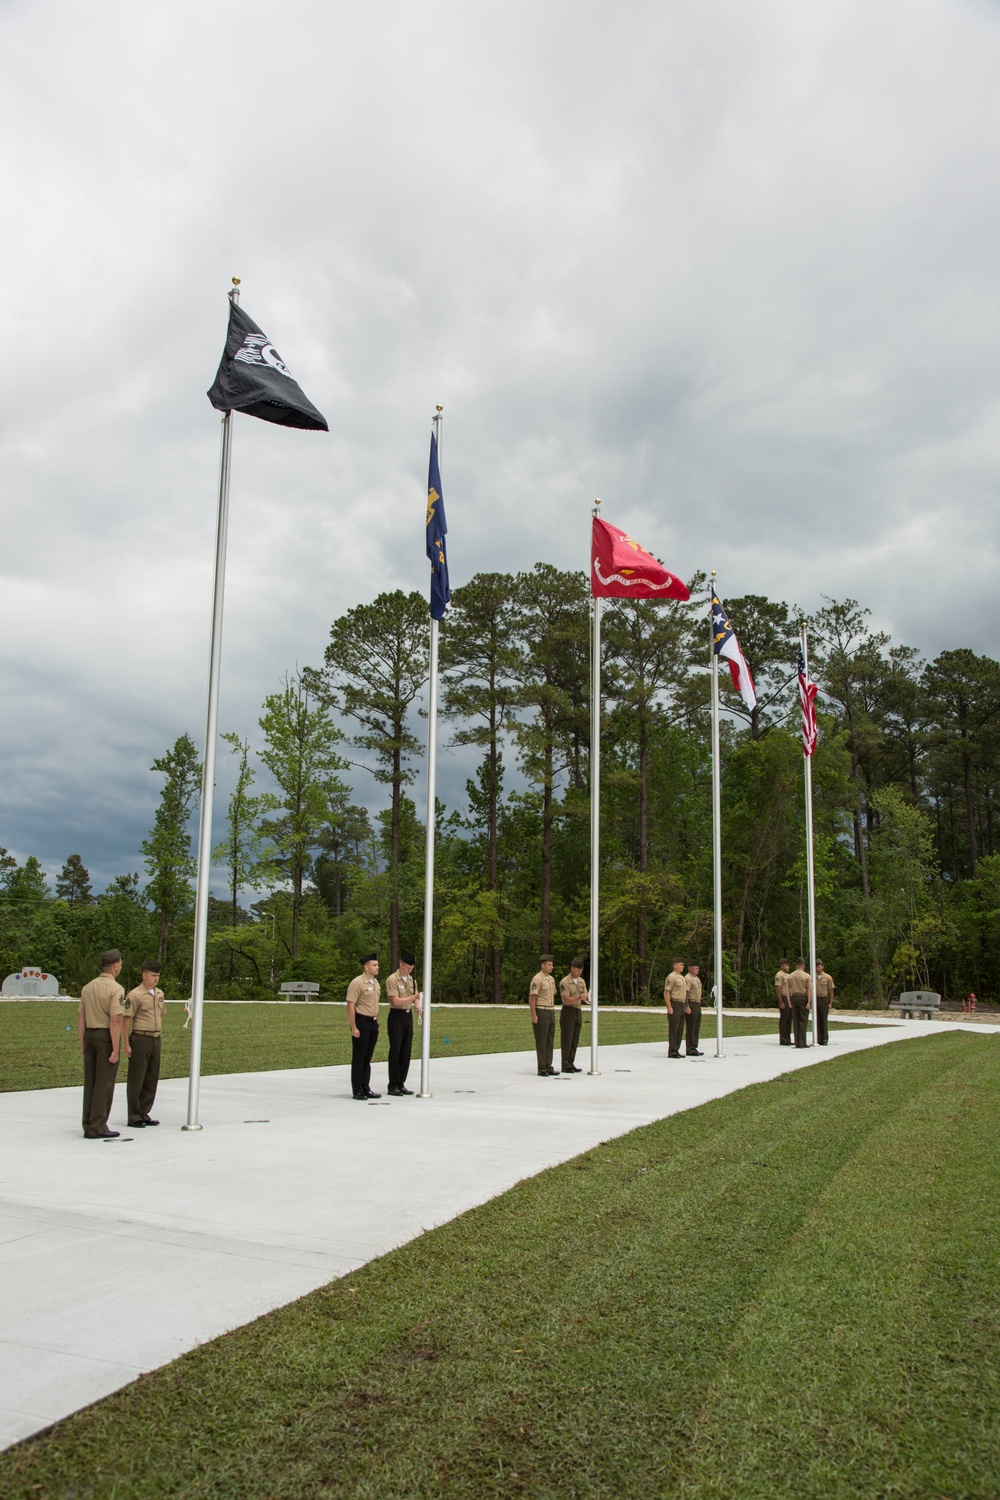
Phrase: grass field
[793,1291]
[39,1047]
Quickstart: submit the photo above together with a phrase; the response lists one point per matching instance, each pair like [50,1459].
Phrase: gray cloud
[731,268]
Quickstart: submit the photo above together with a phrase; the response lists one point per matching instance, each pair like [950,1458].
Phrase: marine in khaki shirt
[146,1012]
[363,993]
[693,986]
[573,989]
[824,983]
[781,982]
[400,990]
[542,1002]
[572,993]
[100,1020]
[675,995]
[799,983]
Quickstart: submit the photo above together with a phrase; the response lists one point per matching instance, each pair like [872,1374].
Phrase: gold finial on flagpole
[439,408]
[236,281]
[713,573]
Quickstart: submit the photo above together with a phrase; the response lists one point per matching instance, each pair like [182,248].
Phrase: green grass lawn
[790,1292]
[37,1051]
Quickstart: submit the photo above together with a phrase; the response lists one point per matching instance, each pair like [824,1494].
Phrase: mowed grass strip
[39,1047]
[792,1291]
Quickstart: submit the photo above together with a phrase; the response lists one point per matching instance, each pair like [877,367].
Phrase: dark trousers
[143,1075]
[545,1035]
[785,1024]
[98,1079]
[400,1026]
[570,1022]
[800,1018]
[362,1047]
[822,1021]
[675,1029]
[692,1026]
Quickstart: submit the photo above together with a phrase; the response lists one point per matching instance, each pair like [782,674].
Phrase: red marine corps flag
[621,569]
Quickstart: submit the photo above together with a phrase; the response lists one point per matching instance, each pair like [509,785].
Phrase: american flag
[807,696]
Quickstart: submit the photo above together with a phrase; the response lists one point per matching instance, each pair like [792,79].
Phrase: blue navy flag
[437,529]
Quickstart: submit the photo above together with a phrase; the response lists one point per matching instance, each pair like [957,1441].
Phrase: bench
[917,1003]
[304,989]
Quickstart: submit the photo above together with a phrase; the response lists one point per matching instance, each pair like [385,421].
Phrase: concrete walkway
[290,1184]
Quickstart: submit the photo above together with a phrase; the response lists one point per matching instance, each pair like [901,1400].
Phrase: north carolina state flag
[620,569]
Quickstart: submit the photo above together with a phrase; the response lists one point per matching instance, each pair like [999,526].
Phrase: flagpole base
[192,1127]
[423,1095]
[593,1072]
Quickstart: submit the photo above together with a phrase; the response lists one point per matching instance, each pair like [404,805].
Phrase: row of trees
[905,775]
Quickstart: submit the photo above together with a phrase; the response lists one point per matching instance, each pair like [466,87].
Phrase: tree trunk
[397,776]
[969,814]
[548,815]
[161,951]
[642,978]
[494,862]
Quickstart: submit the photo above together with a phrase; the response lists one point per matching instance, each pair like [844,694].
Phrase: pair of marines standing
[542,1002]
[363,996]
[682,996]
[109,1023]
[794,992]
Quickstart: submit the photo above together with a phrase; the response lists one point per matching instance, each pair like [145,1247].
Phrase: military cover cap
[406,957]
[577,963]
[370,958]
[151,966]
[546,958]
[110,956]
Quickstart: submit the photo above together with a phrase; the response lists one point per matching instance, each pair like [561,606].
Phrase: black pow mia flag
[254,378]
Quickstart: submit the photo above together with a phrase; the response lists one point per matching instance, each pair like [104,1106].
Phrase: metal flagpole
[208,771]
[595,825]
[810,864]
[432,696]
[716,826]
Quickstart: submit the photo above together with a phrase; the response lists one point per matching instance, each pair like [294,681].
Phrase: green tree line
[906,772]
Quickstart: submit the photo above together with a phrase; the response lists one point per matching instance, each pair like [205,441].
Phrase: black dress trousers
[362,1049]
[400,1045]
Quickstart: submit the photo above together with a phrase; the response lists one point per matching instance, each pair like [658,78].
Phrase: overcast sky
[733,268]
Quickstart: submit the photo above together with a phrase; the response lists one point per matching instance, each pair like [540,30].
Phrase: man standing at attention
[143,1027]
[572,993]
[675,995]
[824,999]
[800,994]
[542,1000]
[362,1017]
[693,1021]
[784,1004]
[401,993]
[102,1006]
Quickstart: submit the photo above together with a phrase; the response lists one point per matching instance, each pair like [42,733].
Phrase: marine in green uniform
[784,1004]
[675,998]
[572,993]
[143,1030]
[401,993]
[800,994]
[99,1021]
[542,1001]
[824,1000]
[692,1021]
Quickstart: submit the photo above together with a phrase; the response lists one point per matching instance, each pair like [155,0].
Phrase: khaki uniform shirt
[403,988]
[798,983]
[693,988]
[572,991]
[363,993]
[824,986]
[543,987]
[781,982]
[676,988]
[147,1010]
[101,999]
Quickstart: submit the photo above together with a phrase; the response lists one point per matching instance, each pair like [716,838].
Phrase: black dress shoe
[371,1094]
[136,1124]
[147,1121]
[361,1096]
[673,1054]
[694,1053]
[108,1135]
[401,1090]
[393,1090]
